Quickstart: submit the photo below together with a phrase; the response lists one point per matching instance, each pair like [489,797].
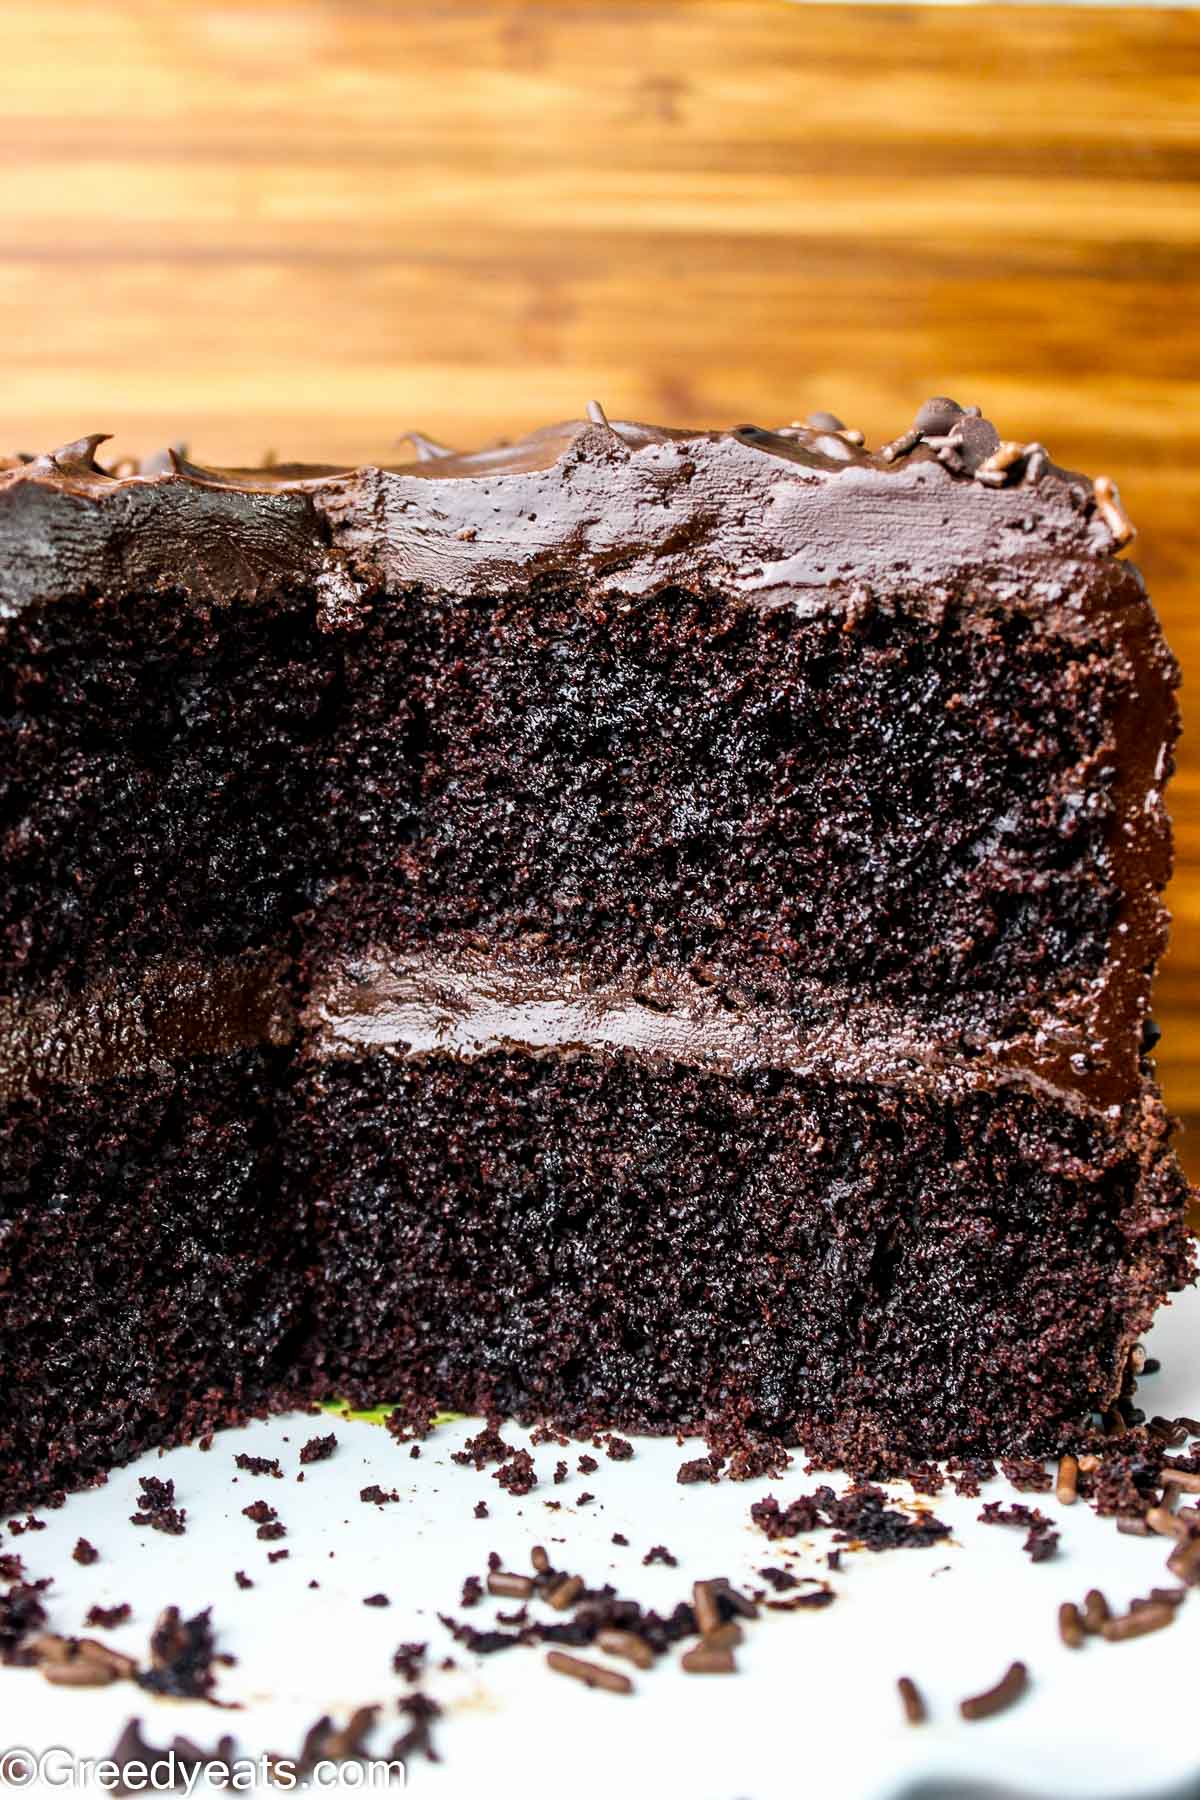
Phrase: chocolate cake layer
[620,1238]
[952,806]
[154,1268]
[156,780]
[879,1272]
[626,925]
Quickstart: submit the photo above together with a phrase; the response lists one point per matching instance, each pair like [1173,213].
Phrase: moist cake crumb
[318,1449]
[967,1474]
[816,1594]
[779,1579]
[518,1475]
[1041,1540]
[156,1507]
[416,1739]
[377,1496]
[107,1618]
[1027,1473]
[408,1660]
[259,1465]
[182,1656]
[485,1447]
[702,1468]
[21,1614]
[415,1417]
[860,1515]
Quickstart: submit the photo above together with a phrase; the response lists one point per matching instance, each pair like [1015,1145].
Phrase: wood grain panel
[306,224]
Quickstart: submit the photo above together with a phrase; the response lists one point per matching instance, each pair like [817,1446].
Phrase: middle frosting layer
[475,1003]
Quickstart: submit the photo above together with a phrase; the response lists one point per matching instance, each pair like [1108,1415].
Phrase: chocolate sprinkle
[912,1700]
[1095,1610]
[1070,1625]
[508,1586]
[591,1674]
[1138,1622]
[1007,1691]
[132,1751]
[628,1644]
[708,1659]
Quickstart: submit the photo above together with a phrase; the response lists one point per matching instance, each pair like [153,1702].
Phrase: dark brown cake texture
[630,927]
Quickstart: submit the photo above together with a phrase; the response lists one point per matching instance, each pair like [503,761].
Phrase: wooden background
[305,224]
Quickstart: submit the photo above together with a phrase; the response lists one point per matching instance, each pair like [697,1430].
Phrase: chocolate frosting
[142,1019]
[466,1003]
[803,516]
[618,508]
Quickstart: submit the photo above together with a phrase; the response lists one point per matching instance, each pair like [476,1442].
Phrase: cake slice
[635,927]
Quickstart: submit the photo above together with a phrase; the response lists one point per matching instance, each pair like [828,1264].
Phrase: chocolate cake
[635,926]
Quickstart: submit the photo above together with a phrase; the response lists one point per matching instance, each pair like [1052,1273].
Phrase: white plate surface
[813,1710]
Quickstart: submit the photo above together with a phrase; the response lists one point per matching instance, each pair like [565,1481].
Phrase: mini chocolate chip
[937,416]
[977,438]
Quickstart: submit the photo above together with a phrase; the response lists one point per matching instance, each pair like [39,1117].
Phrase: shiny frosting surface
[618,507]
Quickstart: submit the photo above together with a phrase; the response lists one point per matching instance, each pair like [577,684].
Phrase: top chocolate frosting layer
[617,507]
